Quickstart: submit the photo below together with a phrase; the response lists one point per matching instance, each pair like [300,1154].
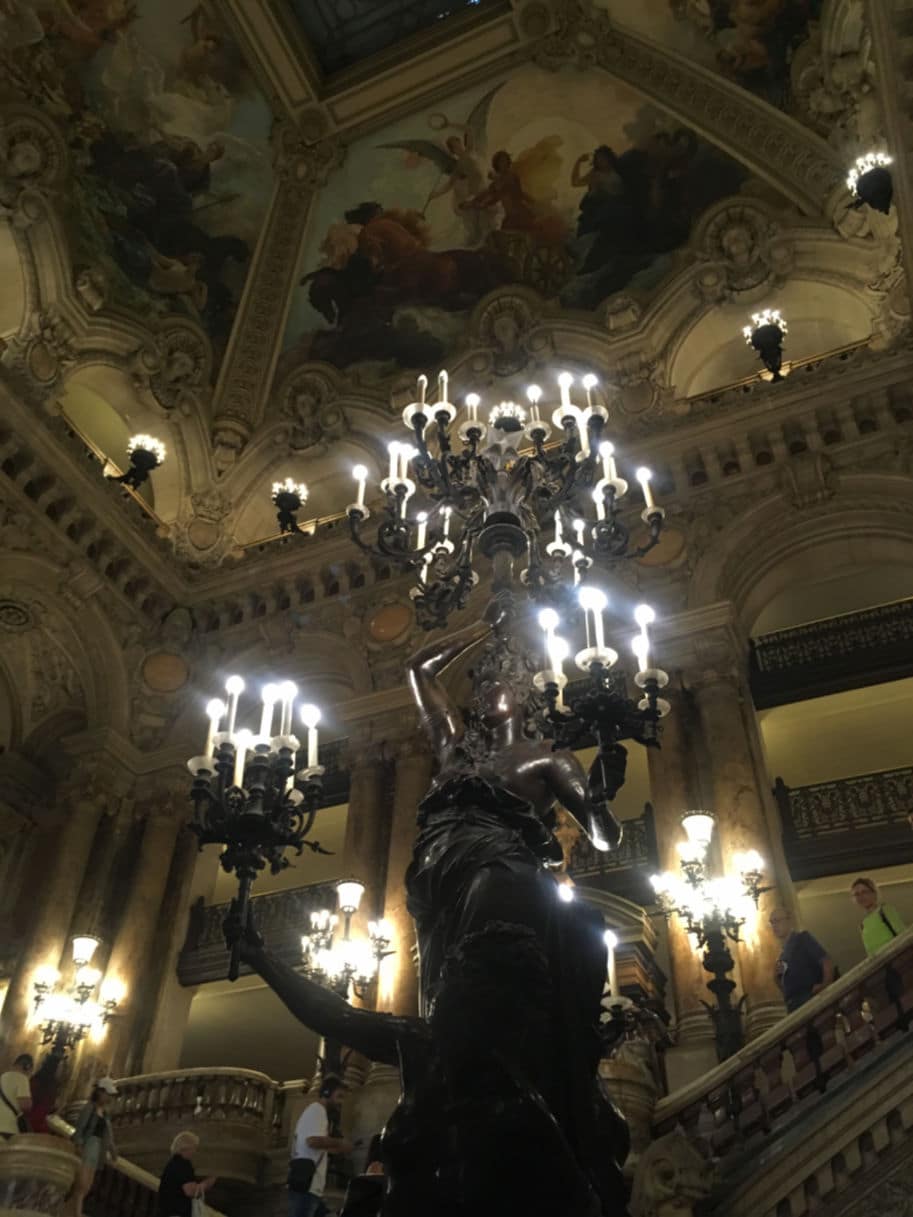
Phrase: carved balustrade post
[95,784]
[398,988]
[301,170]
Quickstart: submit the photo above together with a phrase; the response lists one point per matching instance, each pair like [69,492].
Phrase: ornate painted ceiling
[247,227]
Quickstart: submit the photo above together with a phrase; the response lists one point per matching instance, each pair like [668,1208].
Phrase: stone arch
[869,523]
[78,643]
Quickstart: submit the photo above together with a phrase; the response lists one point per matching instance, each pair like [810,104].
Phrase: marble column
[673,792]
[398,989]
[94,785]
[130,954]
[728,722]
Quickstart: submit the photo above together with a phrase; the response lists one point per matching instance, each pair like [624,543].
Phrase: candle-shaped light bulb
[310,716]
[534,396]
[558,535]
[242,743]
[214,711]
[589,383]
[640,645]
[234,687]
[472,405]
[607,453]
[270,697]
[577,558]
[446,513]
[558,653]
[579,527]
[406,454]
[287,692]
[360,474]
[594,601]
[548,620]
[422,521]
[643,476]
[565,380]
[393,449]
[442,385]
[644,615]
[599,500]
[422,388]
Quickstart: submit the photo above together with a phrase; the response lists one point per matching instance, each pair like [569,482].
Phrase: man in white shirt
[313,1142]
[15,1095]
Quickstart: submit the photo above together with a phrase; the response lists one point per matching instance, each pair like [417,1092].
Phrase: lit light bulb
[548,619]
[644,615]
[565,893]
[610,938]
[472,405]
[310,716]
[234,687]
[592,599]
[643,476]
[360,474]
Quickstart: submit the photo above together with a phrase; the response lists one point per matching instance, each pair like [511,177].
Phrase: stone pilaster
[130,955]
[368,823]
[738,783]
[674,791]
[301,170]
[398,990]
[95,784]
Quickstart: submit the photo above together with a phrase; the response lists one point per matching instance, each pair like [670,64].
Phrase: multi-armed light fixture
[257,793]
[288,498]
[713,909]
[146,453]
[870,181]
[501,492]
[765,335]
[338,960]
[66,1015]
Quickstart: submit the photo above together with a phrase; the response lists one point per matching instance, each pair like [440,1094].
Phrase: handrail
[123,1166]
[821,1038]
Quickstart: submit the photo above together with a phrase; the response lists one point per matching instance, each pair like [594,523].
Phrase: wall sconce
[146,453]
[765,335]
[871,182]
[288,499]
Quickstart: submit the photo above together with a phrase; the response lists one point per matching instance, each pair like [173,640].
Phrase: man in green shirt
[882,922]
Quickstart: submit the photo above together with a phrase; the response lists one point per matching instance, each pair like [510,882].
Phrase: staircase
[816,1115]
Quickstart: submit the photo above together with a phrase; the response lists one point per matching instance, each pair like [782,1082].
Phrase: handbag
[301,1173]
[21,1122]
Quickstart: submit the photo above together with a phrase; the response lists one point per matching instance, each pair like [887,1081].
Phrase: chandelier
[504,489]
[340,961]
[66,1015]
[713,909]
[256,793]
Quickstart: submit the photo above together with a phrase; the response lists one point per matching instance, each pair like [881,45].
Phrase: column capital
[706,645]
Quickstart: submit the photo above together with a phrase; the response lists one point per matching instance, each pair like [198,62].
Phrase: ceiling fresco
[168,134]
[566,183]
[752,42]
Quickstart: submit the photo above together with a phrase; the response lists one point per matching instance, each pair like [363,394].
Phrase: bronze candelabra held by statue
[499,1070]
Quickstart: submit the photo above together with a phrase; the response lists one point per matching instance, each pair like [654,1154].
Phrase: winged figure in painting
[459,159]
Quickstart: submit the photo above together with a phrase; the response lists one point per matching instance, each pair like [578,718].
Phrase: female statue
[501,1110]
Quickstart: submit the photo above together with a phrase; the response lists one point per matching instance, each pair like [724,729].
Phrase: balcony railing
[842,652]
[624,871]
[282,917]
[860,822]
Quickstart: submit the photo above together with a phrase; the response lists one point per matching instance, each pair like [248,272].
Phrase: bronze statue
[501,1110]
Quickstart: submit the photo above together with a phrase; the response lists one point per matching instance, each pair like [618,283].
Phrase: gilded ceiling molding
[796,161]
[247,369]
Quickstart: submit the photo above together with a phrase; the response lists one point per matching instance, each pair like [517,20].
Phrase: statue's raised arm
[440,718]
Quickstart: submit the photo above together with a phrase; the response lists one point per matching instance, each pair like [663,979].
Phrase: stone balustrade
[36,1173]
[231,1110]
[835,1074]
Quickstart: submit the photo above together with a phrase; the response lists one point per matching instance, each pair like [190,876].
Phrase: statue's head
[496,702]
[672,1176]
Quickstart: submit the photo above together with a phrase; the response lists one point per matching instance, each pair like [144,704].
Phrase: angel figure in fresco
[522,188]
[458,161]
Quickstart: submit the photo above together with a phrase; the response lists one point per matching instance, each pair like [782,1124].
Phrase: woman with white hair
[179,1187]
